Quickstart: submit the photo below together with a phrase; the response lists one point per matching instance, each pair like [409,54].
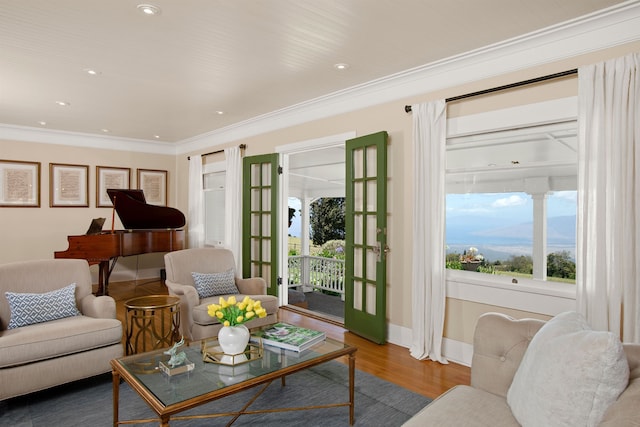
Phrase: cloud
[506,202]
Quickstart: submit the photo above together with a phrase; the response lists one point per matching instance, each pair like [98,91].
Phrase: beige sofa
[195,322]
[41,355]
[500,343]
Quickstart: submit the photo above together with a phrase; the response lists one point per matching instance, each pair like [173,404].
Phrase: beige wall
[461,315]
[36,233]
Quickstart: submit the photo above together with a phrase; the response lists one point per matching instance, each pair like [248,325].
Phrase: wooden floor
[389,362]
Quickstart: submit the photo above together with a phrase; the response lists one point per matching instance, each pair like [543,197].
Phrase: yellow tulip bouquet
[232,313]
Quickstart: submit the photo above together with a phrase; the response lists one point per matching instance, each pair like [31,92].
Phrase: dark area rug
[89,403]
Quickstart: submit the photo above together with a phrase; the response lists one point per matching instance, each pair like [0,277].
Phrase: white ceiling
[167,75]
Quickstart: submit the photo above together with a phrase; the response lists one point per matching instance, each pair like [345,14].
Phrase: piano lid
[136,214]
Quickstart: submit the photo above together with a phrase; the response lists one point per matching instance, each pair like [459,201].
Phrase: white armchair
[214,265]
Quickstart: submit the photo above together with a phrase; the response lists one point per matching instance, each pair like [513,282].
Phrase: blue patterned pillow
[212,284]
[27,309]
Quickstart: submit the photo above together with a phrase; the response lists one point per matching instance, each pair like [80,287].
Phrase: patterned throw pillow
[212,284]
[27,309]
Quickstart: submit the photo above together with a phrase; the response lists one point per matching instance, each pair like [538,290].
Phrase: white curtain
[428,285]
[608,240]
[233,204]
[196,203]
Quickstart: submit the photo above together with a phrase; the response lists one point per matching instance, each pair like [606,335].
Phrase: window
[214,206]
[511,202]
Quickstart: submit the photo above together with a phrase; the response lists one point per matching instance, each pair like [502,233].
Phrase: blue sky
[508,207]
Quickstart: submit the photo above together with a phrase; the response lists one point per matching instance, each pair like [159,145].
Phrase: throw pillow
[212,284]
[28,308]
[569,375]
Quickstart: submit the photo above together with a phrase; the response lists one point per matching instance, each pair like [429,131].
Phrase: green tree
[327,220]
[520,264]
[559,264]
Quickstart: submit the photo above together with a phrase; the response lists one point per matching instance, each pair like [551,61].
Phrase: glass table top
[209,377]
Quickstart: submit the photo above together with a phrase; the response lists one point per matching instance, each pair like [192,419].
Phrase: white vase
[233,339]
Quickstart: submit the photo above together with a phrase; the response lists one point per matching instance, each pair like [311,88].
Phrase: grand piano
[148,228]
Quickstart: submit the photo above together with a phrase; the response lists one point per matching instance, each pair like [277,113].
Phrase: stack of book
[288,337]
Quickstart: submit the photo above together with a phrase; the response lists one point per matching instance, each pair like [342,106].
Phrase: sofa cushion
[569,375]
[30,308]
[201,315]
[57,338]
[212,284]
[465,406]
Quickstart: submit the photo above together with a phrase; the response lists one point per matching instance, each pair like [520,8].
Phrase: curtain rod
[407,108]
[241,146]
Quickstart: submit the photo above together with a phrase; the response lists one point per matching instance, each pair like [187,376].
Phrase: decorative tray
[212,353]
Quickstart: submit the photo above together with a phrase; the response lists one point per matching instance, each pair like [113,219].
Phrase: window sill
[547,298]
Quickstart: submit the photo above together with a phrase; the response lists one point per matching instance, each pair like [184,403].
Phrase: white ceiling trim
[88,140]
[605,29]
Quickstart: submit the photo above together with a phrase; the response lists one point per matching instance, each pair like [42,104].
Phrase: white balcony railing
[317,272]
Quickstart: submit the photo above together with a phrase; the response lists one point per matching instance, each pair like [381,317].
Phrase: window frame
[209,168]
[532,295]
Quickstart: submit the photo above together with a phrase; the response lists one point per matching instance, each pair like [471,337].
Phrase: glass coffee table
[169,395]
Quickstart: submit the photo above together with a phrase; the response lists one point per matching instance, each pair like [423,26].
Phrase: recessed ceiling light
[92,72]
[219,112]
[63,103]
[156,136]
[42,123]
[341,66]
[105,130]
[149,9]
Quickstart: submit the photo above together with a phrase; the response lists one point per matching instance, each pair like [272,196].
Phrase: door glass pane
[266,199]
[266,174]
[371,161]
[266,225]
[357,264]
[371,195]
[371,229]
[255,199]
[358,171]
[357,295]
[372,258]
[255,225]
[371,299]
[266,253]
[358,197]
[357,230]
[255,174]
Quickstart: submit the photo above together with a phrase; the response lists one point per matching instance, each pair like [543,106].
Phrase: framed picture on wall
[110,177]
[68,185]
[154,185]
[19,184]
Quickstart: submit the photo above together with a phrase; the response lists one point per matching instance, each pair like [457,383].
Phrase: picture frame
[153,183]
[68,185]
[110,177]
[19,184]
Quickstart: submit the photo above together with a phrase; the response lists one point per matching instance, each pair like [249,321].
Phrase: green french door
[260,219]
[366,237]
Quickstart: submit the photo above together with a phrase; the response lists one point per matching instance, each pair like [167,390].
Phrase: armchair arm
[499,343]
[189,298]
[102,307]
[252,286]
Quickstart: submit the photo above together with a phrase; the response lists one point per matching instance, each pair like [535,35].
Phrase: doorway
[312,170]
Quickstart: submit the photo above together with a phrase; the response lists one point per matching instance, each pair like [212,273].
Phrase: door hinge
[279,170]
[279,280]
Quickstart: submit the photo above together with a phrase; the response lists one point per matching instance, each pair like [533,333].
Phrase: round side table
[152,322]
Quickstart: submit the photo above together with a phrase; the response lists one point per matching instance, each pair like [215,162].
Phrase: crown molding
[601,30]
[86,140]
